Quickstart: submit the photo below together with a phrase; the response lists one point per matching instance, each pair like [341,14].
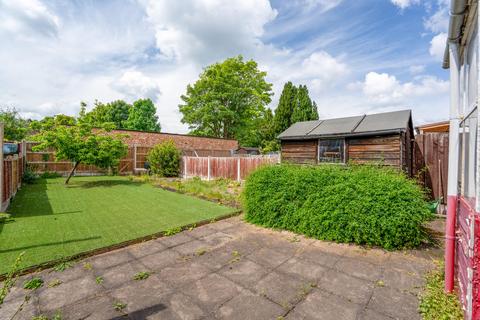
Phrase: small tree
[80,144]
[164,159]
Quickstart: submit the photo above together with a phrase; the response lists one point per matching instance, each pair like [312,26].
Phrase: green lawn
[52,221]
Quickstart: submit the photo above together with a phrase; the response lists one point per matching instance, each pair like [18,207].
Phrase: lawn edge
[93,252]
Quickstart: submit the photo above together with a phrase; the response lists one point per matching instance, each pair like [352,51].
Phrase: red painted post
[450,243]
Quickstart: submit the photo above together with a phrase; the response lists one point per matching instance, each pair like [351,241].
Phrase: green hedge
[360,204]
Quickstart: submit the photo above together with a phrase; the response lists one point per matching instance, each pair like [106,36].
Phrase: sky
[355,56]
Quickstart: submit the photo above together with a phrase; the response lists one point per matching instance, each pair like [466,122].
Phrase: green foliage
[294,105]
[15,127]
[227,100]
[304,109]
[82,144]
[119,306]
[11,278]
[141,275]
[33,284]
[99,280]
[360,204]
[62,266]
[284,110]
[142,116]
[29,176]
[222,190]
[115,112]
[50,175]
[3,217]
[164,159]
[435,304]
[172,231]
[48,123]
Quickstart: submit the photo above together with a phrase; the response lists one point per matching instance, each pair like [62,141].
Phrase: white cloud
[402,4]
[27,17]
[417,69]
[208,30]
[383,88]
[134,85]
[437,46]
[438,21]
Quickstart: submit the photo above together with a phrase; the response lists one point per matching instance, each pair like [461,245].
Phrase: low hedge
[360,204]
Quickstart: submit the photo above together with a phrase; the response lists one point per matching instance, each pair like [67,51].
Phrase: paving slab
[233,270]
[351,288]
[359,268]
[211,291]
[247,306]
[395,303]
[283,289]
[325,306]
[245,273]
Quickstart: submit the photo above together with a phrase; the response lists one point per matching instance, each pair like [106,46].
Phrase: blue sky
[356,57]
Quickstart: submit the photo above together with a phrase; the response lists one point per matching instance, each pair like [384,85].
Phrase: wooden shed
[382,138]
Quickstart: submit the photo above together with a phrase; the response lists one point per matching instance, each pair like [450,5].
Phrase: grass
[222,190]
[52,221]
[435,304]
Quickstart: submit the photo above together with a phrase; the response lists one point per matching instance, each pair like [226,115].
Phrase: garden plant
[368,205]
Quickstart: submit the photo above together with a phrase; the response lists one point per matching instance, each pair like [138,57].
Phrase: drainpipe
[452,191]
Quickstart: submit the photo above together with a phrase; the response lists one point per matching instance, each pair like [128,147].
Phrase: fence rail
[235,168]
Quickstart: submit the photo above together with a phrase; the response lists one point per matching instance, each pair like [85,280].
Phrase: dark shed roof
[380,123]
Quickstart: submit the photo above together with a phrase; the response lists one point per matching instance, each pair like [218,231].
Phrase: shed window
[331,150]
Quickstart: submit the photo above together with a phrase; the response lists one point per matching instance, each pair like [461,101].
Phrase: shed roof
[387,122]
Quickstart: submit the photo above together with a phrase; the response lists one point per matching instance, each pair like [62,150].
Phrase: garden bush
[164,159]
[360,204]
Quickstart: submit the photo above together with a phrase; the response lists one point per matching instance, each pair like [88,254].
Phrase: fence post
[134,158]
[208,168]
[184,167]
[239,177]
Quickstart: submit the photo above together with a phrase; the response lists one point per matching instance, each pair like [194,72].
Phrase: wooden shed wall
[385,149]
[301,151]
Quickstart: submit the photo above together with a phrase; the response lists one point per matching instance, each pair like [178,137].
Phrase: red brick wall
[183,142]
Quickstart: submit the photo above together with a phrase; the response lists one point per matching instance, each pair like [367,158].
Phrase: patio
[232,270]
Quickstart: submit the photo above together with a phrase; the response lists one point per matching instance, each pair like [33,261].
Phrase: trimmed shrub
[164,159]
[360,204]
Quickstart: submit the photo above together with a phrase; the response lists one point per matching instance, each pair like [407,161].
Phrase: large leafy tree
[304,108]
[115,112]
[15,127]
[227,100]
[81,144]
[142,116]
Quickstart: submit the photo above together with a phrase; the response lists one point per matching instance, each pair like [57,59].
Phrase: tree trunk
[71,172]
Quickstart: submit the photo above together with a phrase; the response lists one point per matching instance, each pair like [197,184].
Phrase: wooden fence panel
[431,163]
[235,168]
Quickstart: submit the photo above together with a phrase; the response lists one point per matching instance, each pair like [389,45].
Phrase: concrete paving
[231,270]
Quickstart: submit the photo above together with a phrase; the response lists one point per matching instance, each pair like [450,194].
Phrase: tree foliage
[15,127]
[142,116]
[164,159]
[227,100]
[82,144]
[115,112]
[304,109]
[294,105]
